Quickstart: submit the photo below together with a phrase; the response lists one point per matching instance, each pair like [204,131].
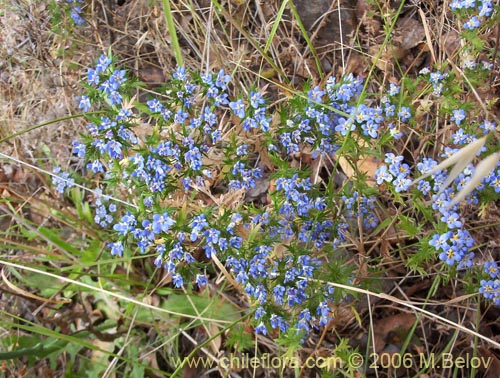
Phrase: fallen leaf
[407,34]
[216,342]
[396,323]
[492,363]
[367,165]
[98,356]
[261,187]
[451,43]
[152,75]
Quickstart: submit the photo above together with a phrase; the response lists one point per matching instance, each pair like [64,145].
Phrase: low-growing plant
[186,164]
[213,183]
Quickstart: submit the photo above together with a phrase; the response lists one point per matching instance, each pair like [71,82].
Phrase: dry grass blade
[462,158]
[38,169]
[26,294]
[482,170]
[424,312]
[109,293]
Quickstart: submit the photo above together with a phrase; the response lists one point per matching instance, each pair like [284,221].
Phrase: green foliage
[309,226]
[239,339]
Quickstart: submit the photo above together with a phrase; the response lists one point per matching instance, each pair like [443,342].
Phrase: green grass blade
[275,26]
[307,39]
[27,130]
[173,33]
[250,39]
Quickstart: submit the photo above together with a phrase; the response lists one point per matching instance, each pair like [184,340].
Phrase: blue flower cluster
[362,208]
[490,287]
[62,180]
[437,79]
[454,245]
[182,134]
[395,172]
[166,156]
[104,213]
[76,11]
[484,9]
[332,114]
[260,275]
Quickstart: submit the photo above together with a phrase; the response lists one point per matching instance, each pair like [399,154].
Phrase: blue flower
[198,224]
[93,77]
[279,293]
[389,110]
[401,184]
[102,63]
[106,124]
[323,310]
[79,149]
[381,175]
[472,23]
[126,224]
[404,114]
[242,150]
[148,201]
[394,89]
[84,103]
[491,268]
[222,80]
[123,114]
[238,108]
[177,280]
[426,165]
[193,158]
[370,129]
[256,99]
[155,106]
[76,15]
[261,329]
[180,74]
[115,98]
[162,223]
[490,288]
[436,77]
[260,312]
[278,322]
[451,255]
[486,8]
[452,220]
[458,116]
[211,235]
[114,149]
[304,319]
[488,126]
[116,248]
[392,159]
[316,94]
[345,126]
[260,293]
[62,180]
[201,280]
[236,242]
[495,182]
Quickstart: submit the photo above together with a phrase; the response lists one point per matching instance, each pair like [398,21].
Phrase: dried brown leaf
[391,324]
[367,165]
